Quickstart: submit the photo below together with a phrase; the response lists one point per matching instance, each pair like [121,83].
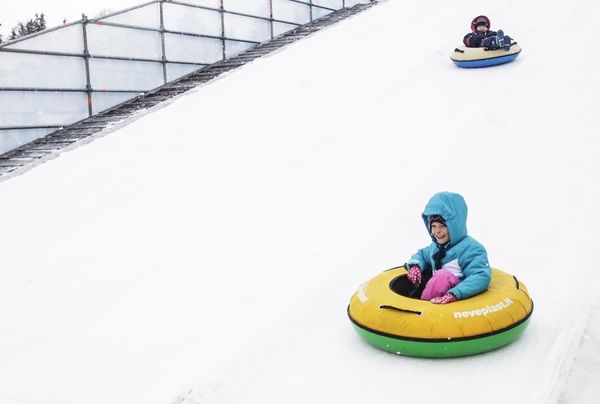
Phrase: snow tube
[403,325]
[481,57]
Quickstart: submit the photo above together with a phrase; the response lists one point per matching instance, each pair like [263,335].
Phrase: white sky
[56,11]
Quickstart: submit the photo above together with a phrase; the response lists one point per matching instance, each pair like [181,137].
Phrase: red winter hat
[480,20]
[436,219]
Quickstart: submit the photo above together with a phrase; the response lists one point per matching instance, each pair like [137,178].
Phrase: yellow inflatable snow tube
[404,325]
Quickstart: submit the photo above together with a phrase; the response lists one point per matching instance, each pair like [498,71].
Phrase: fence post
[223,28]
[86,57]
[162,41]
[310,7]
[271,19]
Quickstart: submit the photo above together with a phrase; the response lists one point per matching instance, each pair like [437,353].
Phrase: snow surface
[206,252]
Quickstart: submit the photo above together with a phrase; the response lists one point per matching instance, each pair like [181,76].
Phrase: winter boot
[507,43]
[503,41]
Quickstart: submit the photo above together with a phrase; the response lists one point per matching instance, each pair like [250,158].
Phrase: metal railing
[60,75]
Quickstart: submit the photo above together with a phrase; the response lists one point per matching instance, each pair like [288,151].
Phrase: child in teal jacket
[458,262]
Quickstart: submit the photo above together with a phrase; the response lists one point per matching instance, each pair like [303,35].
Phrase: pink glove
[447,298]
[414,274]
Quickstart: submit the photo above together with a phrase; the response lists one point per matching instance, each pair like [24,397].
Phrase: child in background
[482,36]
[459,263]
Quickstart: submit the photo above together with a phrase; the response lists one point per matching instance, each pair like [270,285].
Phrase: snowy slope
[206,252]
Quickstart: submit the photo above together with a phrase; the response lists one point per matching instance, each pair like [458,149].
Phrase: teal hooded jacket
[463,253]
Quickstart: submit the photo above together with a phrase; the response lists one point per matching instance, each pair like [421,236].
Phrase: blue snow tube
[481,57]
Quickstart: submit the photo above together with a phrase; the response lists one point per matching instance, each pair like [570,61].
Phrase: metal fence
[61,75]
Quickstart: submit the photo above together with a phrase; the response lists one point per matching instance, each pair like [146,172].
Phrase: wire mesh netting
[64,74]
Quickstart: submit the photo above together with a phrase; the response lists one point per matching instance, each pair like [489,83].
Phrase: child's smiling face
[440,232]
[482,28]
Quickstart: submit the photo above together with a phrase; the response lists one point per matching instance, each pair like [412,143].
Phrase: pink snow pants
[439,284]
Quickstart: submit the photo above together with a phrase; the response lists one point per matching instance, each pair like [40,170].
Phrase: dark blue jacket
[474,39]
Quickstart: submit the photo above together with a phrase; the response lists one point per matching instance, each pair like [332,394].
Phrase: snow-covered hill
[206,252]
